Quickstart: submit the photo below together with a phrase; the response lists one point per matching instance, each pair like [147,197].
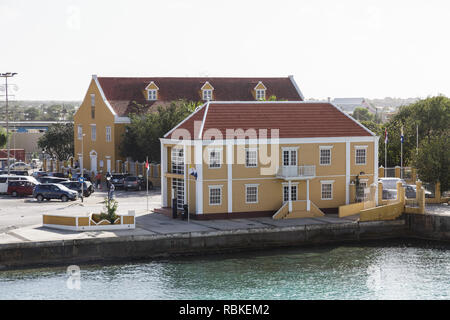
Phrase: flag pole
[385,151]
[146,162]
[401,155]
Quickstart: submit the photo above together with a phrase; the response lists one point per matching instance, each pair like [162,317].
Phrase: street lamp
[82,163]
[7,75]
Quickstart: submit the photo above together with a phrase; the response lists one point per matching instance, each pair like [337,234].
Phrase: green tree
[3,138]
[32,113]
[362,114]
[141,137]
[433,161]
[58,141]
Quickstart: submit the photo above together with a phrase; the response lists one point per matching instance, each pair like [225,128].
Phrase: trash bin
[185,211]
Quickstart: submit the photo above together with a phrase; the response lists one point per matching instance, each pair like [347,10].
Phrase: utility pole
[6,76]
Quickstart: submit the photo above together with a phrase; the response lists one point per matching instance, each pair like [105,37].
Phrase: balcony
[296,172]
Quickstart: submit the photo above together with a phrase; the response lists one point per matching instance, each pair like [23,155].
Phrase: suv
[54,191]
[88,188]
[136,183]
[20,188]
[117,179]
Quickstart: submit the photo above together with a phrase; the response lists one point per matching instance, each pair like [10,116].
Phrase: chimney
[329,99]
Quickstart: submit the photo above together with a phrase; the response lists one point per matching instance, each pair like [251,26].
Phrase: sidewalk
[159,224]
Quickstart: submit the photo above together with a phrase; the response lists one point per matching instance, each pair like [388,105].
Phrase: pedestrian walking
[98,180]
[111,192]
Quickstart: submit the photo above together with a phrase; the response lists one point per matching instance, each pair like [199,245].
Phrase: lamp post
[82,163]
[7,75]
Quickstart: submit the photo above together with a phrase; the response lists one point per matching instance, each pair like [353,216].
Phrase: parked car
[56,174]
[117,179]
[136,183]
[54,191]
[411,191]
[5,178]
[19,166]
[88,188]
[19,172]
[76,176]
[390,187]
[20,188]
[38,174]
[48,179]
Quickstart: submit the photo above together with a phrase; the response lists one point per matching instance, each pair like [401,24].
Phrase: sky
[346,48]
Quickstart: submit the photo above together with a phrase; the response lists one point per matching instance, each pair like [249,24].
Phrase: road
[26,211]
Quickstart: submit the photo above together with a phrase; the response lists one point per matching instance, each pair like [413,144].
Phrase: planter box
[85,223]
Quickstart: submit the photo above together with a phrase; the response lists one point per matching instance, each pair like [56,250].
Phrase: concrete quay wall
[116,249]
[428,226]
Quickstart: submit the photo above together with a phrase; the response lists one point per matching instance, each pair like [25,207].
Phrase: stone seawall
[48,253]
[428,226]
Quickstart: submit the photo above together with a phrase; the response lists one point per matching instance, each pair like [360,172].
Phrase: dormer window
[260,91]
[207,91]
[152,91]
[152,94]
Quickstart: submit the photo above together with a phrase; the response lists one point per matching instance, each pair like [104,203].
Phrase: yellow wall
[103,118]
[270,190]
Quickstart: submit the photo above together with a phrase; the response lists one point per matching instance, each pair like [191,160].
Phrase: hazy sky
[346,48]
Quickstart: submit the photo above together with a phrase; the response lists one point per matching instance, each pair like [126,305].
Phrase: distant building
[25,135]
[348,105]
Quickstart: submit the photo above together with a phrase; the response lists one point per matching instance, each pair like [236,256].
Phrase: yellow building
[257,158]
[101,119]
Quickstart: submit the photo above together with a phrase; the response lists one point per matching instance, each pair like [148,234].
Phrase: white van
[4,178]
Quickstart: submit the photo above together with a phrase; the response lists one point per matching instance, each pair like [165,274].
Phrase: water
[391,270]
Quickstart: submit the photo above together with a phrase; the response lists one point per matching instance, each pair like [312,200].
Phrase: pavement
[21,218]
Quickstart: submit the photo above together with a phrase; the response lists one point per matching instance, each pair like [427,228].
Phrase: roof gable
[121,92]
[291,119]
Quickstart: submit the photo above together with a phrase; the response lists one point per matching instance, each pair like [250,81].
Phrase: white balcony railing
[296,172]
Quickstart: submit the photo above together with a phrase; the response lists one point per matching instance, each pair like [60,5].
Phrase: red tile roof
[121,92]
[293,119]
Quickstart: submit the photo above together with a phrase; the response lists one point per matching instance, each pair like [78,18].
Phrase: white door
[290,163]
[108,165]
[294,193]
[94,163]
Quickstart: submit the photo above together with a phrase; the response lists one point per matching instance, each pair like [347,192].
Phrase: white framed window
[152,94]
[251,193]
[108,134]
[294,192]
[93,132]
[260,94]
[360,155]
[215,195]
[92,100]
[215,158]
[251,158]
[326,190]
[80,132]
[290,156]
[207,94]
[93,106]
[325,156]
[177,157]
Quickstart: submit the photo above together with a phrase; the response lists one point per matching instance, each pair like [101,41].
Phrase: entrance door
[178,187]
[108,165]
[93,161]
[290,162]
[294,192]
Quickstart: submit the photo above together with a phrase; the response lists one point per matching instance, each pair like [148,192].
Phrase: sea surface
[376,270]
